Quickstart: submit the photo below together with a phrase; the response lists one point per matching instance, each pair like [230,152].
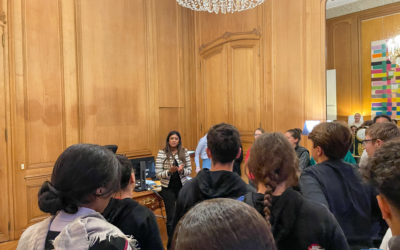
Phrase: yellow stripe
[379,75]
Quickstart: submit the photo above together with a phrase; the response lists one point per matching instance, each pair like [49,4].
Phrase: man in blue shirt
[202,153]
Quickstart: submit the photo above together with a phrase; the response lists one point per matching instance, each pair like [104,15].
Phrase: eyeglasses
[365,141]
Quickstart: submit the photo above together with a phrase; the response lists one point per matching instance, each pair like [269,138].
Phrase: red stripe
[126,245]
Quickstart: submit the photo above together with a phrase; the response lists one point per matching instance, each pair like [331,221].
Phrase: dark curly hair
[383,171]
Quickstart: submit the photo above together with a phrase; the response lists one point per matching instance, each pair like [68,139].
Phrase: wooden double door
[230,84]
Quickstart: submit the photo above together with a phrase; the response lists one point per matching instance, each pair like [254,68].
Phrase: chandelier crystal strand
[216,6]
[394,49]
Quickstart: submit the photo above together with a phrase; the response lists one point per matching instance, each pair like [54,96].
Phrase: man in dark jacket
[223,147]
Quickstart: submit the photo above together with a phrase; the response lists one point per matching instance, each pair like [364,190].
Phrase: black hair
[382,116]
[78,172]
[167,149]
[223,141]
[296,134]
[126,170]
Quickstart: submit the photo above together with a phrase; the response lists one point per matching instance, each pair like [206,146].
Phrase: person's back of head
[383,131]
[382,119]
[383,172]
[222,224]
[223,142]
[333,138]
[272,162]
[81,174]
[126,171]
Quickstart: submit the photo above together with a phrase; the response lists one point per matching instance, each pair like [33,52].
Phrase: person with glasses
[377,134]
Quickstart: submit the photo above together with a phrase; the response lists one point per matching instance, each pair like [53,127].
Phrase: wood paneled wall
[91,71]
[349,52]
[126,72]
[290,56]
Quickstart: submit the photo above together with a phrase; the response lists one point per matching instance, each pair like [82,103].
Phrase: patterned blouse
[163,166]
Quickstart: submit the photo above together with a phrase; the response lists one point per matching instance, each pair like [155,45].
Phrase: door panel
[4,168]
[231,83]
[215,87]
[244,74]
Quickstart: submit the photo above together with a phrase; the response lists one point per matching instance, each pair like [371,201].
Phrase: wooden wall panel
[38,133]
[343,56]
[43,85]
[211,26]
[168,47]
[115,96]
[288,60]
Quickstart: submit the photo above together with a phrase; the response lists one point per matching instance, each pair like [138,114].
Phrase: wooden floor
[9,245]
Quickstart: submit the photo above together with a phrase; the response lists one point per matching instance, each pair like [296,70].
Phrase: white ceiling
[335,8]
[336,3]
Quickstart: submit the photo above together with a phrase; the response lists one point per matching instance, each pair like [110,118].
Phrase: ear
[132,179]
[208,153]
[100,191]
[238,154]
[379,143]
[319,151]
[385,207]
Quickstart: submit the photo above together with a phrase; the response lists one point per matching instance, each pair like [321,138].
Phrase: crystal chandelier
[223,6]
[394,49]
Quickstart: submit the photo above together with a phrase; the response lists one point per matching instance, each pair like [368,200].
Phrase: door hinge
[6,135]
[9,226]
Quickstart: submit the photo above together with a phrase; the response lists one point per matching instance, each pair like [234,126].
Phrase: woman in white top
[172,168]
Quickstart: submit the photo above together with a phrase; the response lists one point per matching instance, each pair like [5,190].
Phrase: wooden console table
[155,204]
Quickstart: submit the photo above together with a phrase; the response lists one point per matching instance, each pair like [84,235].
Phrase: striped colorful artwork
[385,82]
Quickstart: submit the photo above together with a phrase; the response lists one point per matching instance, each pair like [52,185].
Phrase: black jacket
[298,223]
[136,220]
[351,200]
[208,185]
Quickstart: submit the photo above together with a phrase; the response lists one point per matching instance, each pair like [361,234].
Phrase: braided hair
[273,161]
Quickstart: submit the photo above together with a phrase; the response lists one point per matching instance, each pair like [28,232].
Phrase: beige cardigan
[162,167]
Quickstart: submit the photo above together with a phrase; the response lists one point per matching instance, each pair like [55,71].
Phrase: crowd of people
[289,203]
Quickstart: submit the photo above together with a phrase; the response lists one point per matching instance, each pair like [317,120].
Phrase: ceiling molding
[344,7]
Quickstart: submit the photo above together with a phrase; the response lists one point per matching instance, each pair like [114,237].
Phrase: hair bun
[49,199]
